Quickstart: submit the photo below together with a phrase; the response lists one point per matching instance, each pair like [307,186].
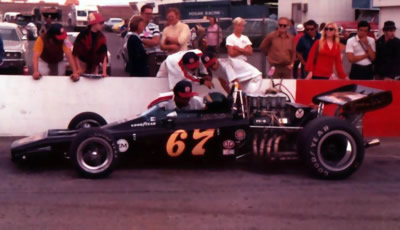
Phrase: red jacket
[89,53]
[326,58]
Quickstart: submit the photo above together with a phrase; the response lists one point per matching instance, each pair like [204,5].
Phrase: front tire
[331,147]
[86,120]
[94,153]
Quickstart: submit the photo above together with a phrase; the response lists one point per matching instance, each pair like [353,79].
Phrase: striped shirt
[149,32]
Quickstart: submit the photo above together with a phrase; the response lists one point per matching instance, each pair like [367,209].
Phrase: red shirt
[325,61]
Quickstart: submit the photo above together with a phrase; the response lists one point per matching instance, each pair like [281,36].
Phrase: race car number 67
[176,147]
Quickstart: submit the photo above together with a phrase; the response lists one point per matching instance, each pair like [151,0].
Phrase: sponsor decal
[240,134]
[299,113]
[228,152]
[144,124]
[314,150]
[283,121]
[176,142]
[228,144]
[123,145]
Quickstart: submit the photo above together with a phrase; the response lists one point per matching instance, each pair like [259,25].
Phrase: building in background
[319,10]
[71,2]
[389,10]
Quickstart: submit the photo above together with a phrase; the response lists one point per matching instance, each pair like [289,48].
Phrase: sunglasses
[310,29]
[329,29]
[283,25]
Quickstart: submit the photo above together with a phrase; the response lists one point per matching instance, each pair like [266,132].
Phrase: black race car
[267,127]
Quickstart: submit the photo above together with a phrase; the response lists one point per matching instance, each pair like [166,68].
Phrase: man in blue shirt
[306,42]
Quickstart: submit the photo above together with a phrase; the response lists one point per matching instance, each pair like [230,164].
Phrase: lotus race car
[267,127]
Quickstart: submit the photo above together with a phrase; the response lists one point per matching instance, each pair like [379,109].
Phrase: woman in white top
[239,45]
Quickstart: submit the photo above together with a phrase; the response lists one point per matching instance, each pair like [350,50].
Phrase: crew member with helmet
[182,99]
[230,70]
[185,65]
[48,54]
[90,47]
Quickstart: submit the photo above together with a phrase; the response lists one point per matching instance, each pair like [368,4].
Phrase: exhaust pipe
[371,143]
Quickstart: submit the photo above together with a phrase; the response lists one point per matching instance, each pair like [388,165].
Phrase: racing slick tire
[86,120]
[94,153]
[332,148]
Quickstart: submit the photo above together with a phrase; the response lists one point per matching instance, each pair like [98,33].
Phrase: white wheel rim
[349,155]
[94,155]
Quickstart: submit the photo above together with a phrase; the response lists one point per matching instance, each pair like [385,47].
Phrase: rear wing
[355,98]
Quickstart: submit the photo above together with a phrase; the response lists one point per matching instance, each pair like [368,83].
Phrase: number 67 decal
[175,147]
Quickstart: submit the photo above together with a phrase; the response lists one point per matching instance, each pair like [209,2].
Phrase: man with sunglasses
[280,49]
[306,42]
[387,64]
[360,51]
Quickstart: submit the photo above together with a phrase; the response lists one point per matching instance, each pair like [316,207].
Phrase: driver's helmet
[216,102]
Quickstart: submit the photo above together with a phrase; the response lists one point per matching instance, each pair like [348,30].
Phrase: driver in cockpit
[183,99]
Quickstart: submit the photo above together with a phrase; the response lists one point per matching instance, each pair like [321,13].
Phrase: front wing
[46,141]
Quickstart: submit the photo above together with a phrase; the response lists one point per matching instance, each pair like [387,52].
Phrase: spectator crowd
[303,51]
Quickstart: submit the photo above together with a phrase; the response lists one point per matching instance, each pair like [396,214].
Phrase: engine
[275,122]
[275,110]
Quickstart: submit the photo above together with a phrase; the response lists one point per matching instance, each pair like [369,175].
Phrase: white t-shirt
[175,72]
[354,46]
[231,69]
[241,42]
[195,103]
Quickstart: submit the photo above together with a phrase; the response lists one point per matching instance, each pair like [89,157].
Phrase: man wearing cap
[90,47]
[183,99]
[387,62]
[185,65]
[48,54]
[229,71]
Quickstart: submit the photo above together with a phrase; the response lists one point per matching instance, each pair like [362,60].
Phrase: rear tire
[94,153]
[86,120]
[332,148]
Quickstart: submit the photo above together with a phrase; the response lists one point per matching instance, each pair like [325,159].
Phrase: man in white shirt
[239,45]
[176,35]
[185,65]
[233,70]
[360,51]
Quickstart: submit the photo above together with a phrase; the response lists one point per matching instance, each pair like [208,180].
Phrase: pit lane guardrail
[28,106]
